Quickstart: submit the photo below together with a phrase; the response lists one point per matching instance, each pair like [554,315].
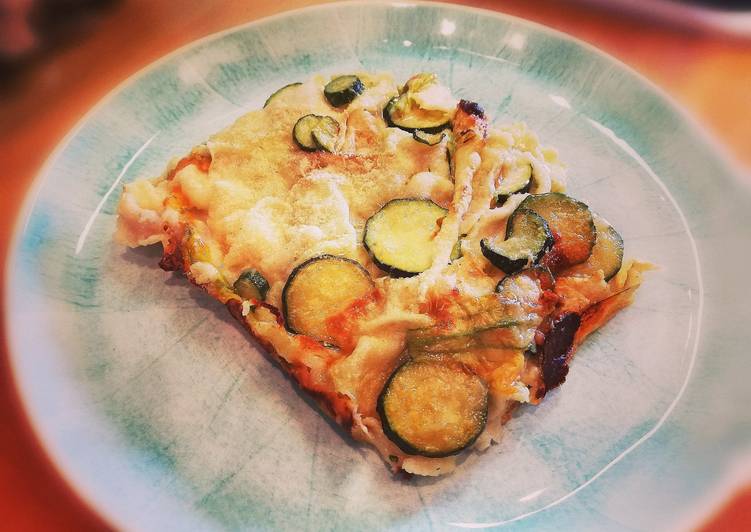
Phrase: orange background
[707,73]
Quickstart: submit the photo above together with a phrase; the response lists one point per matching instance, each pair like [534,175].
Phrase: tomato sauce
[439,307]
[342,327]
[202,162]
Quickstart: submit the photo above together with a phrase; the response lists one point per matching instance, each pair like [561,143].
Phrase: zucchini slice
[485,321]
[422,104]
[506,319]
[399,113]
[251,285]
[342,90]
[400,236]
[527,296]
[528,238]
[431,139]
[516,287]
[607,254]
[433,407]
[456,251]
[279,92]
[314,132]
[196,247]
[571,223]
[517,180]
[472,315]
[319,288]
[421,342]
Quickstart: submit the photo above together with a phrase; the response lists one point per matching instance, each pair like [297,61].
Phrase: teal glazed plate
[163,414]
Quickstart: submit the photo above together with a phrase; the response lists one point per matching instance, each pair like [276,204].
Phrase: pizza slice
[417,270]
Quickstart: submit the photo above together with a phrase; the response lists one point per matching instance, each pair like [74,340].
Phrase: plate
[161,413]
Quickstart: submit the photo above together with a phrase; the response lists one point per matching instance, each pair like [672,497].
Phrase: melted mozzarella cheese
[140,213]
[195,185]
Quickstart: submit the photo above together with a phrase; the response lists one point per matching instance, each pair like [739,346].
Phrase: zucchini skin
[503,263]
[390,122]
[500,199]
[387,430]
[606,256]
[251,281]
[392,271]
[300,267]
[429,139]
[339,97]
[303,124]
[509,264]
[513,185]
[610,263]
[310,130]
[408,447]
[279,91]
[616,266]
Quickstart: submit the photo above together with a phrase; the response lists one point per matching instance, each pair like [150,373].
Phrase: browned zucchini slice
[528,238]
[319,288]
[607,255]
[401,236]
[433,406]
[571,223]
[251,285]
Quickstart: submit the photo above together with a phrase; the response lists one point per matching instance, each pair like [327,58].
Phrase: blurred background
[59,57]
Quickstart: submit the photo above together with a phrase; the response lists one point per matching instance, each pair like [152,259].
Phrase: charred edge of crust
[172,261]
[469,122]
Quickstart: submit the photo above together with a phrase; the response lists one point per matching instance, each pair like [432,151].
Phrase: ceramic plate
[162,414]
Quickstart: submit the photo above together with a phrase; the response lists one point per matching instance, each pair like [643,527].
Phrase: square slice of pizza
[415,269]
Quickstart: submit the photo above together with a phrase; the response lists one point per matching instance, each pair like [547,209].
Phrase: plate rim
[723,484]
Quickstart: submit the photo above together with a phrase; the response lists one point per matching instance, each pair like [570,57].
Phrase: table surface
[709,74]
